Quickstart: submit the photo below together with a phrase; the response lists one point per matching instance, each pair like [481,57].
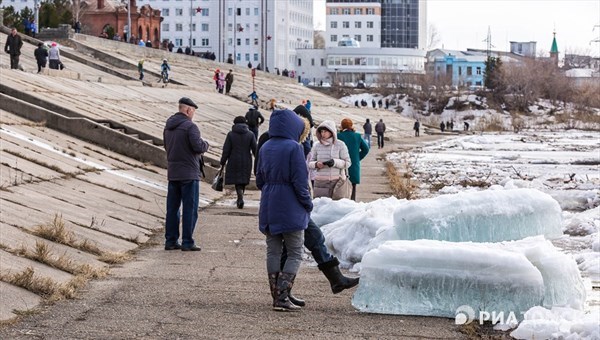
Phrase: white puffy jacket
[335,150]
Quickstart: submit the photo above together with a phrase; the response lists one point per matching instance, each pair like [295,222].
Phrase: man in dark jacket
[229,82]
[367,132]
[41,54]
[254,119]
[184,146]
[13,47]
[380,129]
[239,147]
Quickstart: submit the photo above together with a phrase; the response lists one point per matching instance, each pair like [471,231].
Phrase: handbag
[217,183]
[342,187]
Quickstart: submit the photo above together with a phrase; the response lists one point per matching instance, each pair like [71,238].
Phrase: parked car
[360,84]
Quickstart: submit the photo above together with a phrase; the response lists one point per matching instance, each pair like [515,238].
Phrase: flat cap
[187,101]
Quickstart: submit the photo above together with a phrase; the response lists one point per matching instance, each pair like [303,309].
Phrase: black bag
[217,183]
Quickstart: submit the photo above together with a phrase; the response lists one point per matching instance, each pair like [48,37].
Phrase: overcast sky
[464,23]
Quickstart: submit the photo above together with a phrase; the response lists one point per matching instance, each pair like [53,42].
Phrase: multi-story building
[526,49]
[370,41]
[259,32]
[457,68]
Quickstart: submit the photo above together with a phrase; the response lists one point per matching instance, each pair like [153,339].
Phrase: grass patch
[26,279]
[57,232]
[114,258]
[37,161]
[401,184]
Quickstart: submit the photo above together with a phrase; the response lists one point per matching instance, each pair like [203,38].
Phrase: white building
[265,32]
[360,21]
[526,49]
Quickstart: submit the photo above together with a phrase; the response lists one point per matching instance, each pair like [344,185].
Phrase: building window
[178,42]
[204,42]
[255,27]
[205,12]
[165,27]
[247,56]
[357,37]
[204,27]
[230,27]
[193,27]
[478,83]
[247,27]
[369,24]
[358,11]
[255,56]
[229,42]
[322,61]
[178,12]
[165,12]
[255,41]
[369,37]
[357,24]
[333,38]
[247,11]
[333,24]
[238,57]
[370,11]
[312,61]
[460,71]
[469,70]
[247,42]
[230,11]
[346,24]
[238,41]
[179,27]
[478,70]
[333,11]
[238,11]
[255,10]
[346,11]
[299,62]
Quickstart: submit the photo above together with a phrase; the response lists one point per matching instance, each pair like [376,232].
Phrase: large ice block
[484,216]
[326,210]
[434,278]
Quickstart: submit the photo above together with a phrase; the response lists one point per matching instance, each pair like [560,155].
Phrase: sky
[463,24]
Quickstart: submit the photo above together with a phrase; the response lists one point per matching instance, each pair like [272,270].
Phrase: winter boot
[239,189]
[285,281]
[337,280]
[298,302]
[273,285]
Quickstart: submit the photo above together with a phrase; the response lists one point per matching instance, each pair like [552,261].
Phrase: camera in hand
[329,163]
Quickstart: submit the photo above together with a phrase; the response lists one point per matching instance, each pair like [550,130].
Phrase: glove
[329,163]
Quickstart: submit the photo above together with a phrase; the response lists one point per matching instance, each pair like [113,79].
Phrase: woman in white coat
[330,158]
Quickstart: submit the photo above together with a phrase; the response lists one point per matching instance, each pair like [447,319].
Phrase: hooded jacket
[184,146]
[239,147]
[324,151]
[282,177]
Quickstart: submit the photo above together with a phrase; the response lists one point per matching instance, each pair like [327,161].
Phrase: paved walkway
[222,291]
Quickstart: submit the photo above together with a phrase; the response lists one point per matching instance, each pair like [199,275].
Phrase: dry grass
[402,185]
[490,123]
[26,279]
[57,232]
[114,258]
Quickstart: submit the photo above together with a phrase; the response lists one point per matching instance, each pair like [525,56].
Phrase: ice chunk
[558,323]
[348,237]
[484,216]
[428,277]
[326,210]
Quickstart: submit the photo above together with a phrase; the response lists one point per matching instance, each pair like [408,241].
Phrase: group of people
[222,81]
[284,155]
[380,103]
[42,53]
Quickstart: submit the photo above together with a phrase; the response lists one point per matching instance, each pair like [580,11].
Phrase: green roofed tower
[554,50]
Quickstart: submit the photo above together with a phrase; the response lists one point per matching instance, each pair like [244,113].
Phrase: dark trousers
[353,195]
[254,130]
[314,241]
[380,140]
[14,61]
[54,64]
[186,195]
[239,190]
[40,66]
[227,88]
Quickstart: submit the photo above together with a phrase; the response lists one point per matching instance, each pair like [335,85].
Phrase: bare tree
[319,39]
[433,37]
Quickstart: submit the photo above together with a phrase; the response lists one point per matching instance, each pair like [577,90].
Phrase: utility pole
[191,15]
[129,29]
[489,46]
[36,9]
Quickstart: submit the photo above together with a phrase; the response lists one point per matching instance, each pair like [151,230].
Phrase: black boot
[295,300]
[285,282]
[337,280]
[239,189]
[273,285]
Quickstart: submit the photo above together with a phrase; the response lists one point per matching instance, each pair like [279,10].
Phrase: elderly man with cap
[184,147]
[13,47]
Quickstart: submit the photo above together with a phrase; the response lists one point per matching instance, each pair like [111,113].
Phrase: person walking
[13,48]
[54,57]
[254,119]
[184,145]
[41,55]
[380,130]
[330,158]
[254,97]
[228,81]
[221,82]
[367,132]
[357,149]
[442,126]
[141,68]
[417,127]
[285,205]
[238,150]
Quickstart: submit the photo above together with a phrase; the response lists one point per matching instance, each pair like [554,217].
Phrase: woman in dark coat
[239,147]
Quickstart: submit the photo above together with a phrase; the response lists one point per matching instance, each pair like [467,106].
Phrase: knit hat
[347,124]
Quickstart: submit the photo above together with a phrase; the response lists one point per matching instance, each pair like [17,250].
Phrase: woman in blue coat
[285,204]
[357,148]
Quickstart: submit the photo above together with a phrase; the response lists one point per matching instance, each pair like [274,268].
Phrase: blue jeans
[185,194]
[367,139]
[314,241]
